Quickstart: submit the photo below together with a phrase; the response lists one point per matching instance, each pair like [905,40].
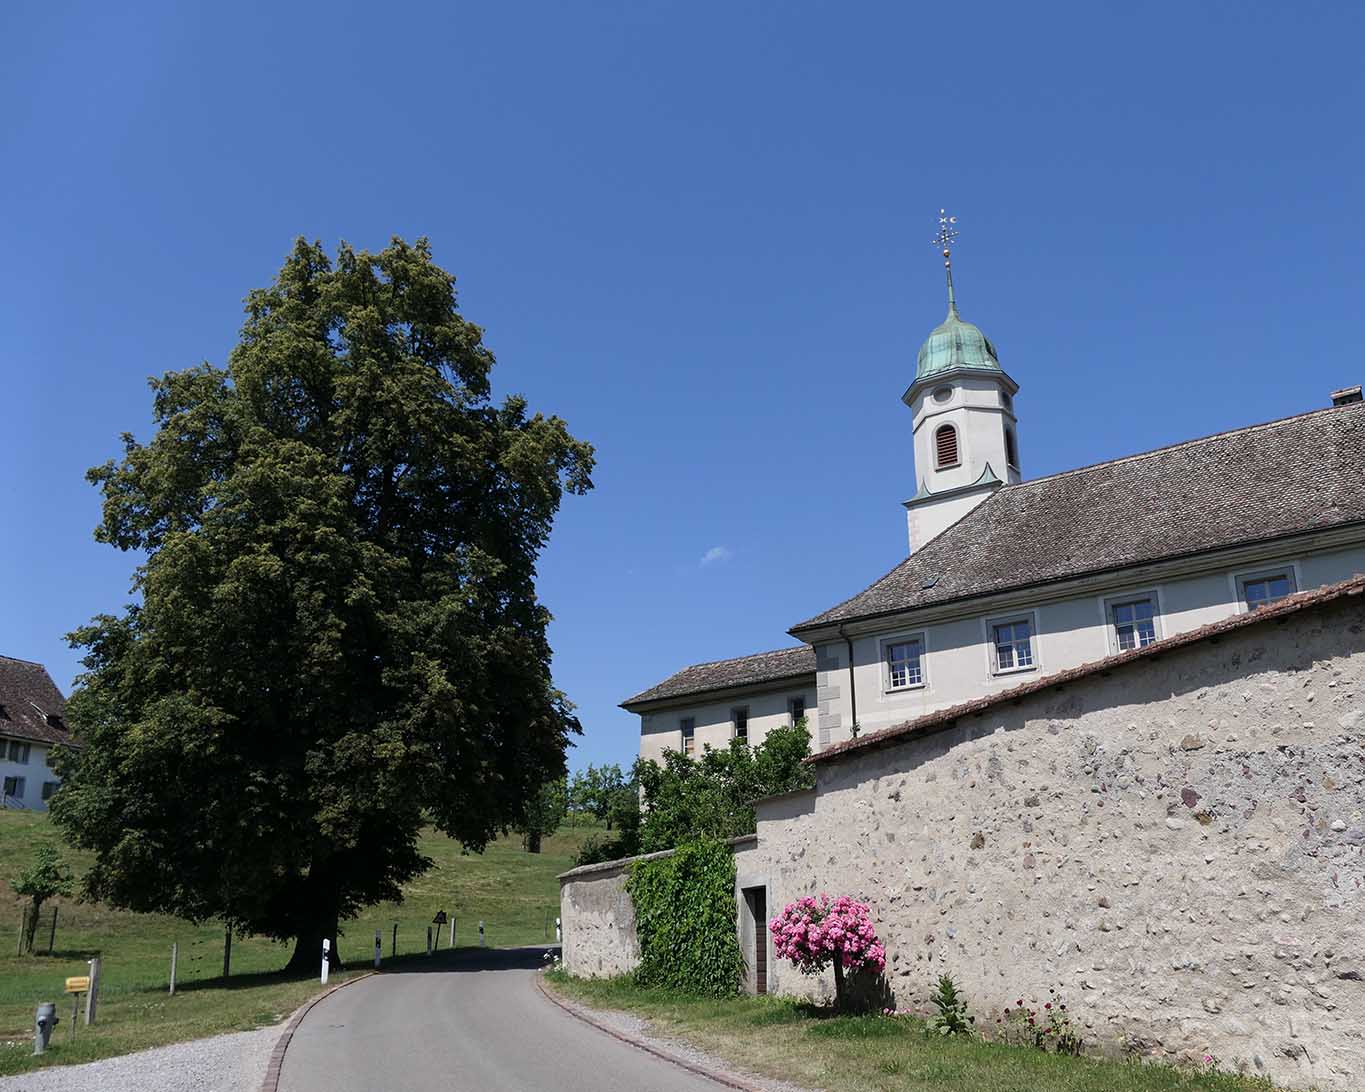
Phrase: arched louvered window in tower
[945,447]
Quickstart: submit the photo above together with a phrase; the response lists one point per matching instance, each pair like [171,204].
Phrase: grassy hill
[513,892]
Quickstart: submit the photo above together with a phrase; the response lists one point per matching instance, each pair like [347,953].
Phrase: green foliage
[337,635]
[952,1017]
[598,789]
[544,812]
[712,796]
[46,878]
[685,920]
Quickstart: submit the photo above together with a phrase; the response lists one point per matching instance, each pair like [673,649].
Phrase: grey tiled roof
[784,663]
[29,702]
[1250,485]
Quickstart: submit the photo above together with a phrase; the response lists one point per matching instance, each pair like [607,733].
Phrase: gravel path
[225,1063]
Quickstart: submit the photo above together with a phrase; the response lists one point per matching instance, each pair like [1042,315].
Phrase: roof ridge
[1135,456]
[20,660]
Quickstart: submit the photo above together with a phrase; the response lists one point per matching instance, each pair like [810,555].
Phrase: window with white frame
[1134,622]
[1013,645]
[1264,588]
[739,722]
[14,786]
[904,668]
[796,709]
[18,752]
[689,735]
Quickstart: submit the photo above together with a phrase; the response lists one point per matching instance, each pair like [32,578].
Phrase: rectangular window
[796,709]
[1259,590]
[49,787]
[14,786]
[903,664]
[689,735]
[18,752]
[739,722]
[1134,622]
[1014,645]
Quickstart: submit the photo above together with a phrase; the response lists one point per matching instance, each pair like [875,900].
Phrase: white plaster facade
[27,783]
[712,715]
[1071,625]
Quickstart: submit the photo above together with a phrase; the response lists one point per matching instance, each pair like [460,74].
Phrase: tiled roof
[1250,485]
[31,706]
[784,663]
[933,721]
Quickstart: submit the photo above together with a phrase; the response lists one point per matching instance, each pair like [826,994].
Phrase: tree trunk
[31,925]
[532,841]
[307,956]
[840,1000]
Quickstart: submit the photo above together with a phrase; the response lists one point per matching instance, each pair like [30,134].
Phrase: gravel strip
[224,1063]
[637,1028]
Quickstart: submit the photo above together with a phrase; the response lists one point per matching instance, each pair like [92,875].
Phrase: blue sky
[699,232]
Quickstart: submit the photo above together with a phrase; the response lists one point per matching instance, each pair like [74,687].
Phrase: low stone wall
[597,918]
[1178,846]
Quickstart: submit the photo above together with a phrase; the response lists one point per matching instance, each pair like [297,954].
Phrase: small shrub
[1047,1028]
[951,1017]
[815,933]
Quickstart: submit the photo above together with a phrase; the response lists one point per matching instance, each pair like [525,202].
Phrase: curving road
[472,1022]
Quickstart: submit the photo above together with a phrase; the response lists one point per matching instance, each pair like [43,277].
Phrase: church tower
[964,424]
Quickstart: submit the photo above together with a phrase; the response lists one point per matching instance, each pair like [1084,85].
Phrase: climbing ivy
[685,919]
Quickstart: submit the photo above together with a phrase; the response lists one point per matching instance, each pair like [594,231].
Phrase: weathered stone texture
[1178,847]
[598,921]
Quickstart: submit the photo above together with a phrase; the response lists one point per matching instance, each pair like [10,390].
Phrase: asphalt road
[466,1023]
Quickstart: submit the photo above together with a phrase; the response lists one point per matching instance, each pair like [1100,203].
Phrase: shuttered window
[945,446]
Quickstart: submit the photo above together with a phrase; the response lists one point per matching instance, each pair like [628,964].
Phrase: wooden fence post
[393,948]
[23,923]
[52,936]
[227,951]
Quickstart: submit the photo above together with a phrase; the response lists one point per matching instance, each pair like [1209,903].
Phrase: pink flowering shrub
[814,932]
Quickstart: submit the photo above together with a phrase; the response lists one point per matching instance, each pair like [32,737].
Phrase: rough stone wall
[598,922]
[1177,846]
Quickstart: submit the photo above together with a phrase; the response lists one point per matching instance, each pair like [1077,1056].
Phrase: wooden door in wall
[760,904]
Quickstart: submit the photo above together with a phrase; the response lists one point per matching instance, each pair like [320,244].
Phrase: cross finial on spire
[947,235]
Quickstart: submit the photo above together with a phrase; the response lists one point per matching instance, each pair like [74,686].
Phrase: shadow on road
[471,959]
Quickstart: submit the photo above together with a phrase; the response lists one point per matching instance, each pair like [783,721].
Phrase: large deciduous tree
[337,637]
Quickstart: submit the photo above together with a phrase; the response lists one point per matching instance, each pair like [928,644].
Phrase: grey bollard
[44,1021]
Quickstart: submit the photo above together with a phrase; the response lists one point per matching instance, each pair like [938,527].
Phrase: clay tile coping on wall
[621,862]
[931,722]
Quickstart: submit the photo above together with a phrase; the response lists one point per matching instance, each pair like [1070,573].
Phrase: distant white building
[31,724]
[1010,579]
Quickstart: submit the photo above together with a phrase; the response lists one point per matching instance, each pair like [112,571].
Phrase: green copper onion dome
[955,344]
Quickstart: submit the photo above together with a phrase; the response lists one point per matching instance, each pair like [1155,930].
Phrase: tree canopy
[710,796]
[336,636]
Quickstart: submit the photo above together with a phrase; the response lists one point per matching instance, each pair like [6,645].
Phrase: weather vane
[947,234]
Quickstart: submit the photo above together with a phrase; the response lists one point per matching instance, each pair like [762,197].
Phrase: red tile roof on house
[31,706]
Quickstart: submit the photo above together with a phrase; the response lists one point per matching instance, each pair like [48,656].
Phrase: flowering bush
[1048,1027]
[812,933]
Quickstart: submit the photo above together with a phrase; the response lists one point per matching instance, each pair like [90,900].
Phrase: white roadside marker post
[326,948]
[378,949]
[482,942]
[451,938]
[559,931]
[175,952]
[92,995]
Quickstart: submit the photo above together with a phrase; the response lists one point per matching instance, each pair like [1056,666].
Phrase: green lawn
[514,892]
[796,1042]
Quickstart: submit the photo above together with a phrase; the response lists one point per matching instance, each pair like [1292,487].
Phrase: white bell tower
[966,445]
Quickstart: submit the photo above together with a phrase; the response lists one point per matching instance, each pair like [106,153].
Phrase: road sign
[440,918]
[78,985]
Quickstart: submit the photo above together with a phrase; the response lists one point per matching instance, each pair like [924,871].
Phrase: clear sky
[700,233]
